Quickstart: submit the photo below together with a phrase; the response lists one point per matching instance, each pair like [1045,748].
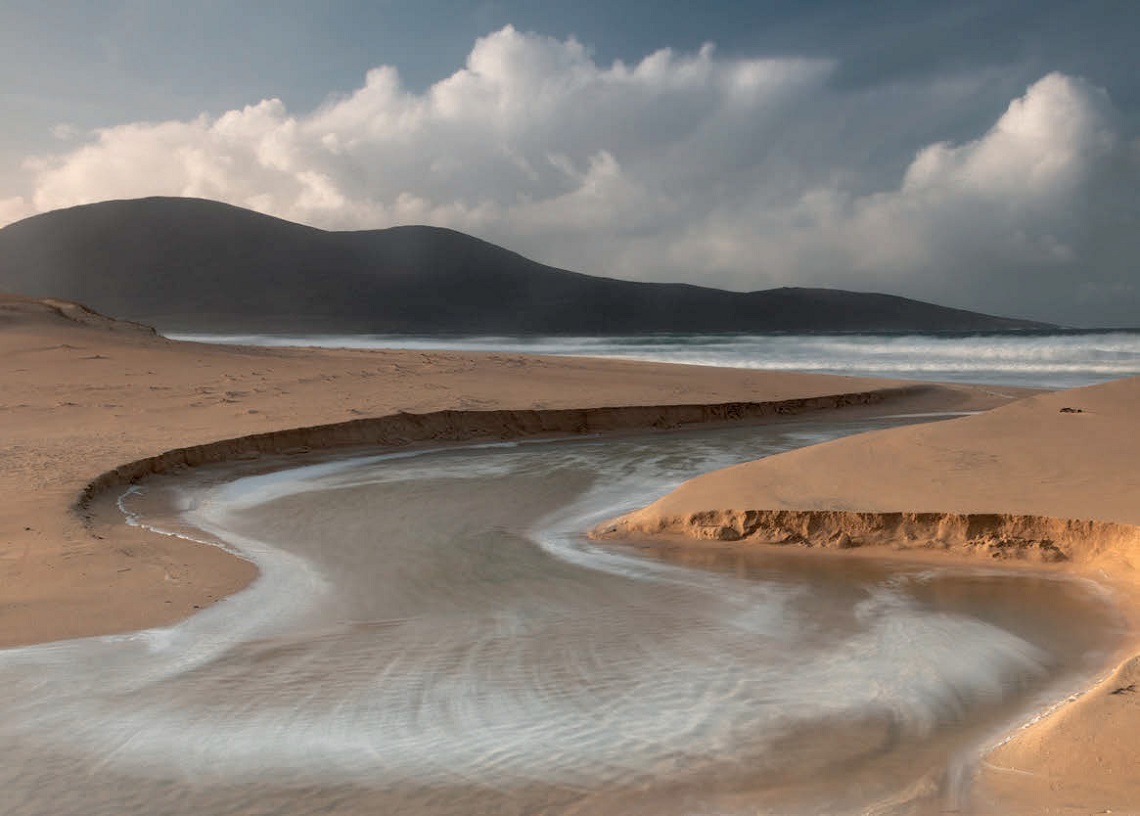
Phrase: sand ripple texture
[432,633]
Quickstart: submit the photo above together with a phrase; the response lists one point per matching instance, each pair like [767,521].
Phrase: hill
[191,264]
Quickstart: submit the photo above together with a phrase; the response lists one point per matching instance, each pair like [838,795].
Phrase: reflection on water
[433,634]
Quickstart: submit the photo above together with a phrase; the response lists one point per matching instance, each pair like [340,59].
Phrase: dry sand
[1052,480]
[81,395]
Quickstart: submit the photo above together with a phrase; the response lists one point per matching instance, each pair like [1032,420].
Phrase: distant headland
[195,265]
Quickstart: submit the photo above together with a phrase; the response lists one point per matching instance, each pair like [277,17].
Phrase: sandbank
[1051,481]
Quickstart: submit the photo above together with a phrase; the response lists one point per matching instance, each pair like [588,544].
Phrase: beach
[93,404]
[84,395]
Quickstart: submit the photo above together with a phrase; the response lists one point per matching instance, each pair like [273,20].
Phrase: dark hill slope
[192,264]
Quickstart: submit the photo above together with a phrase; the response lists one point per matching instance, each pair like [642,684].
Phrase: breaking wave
[1061,359]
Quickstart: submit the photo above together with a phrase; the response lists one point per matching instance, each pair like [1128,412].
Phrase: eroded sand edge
[1051,481]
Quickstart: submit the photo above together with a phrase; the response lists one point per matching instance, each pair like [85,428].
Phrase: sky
[984,155]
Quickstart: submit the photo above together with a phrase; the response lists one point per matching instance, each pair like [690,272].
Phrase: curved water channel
[432,633]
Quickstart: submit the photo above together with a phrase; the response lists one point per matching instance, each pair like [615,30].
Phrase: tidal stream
[432,633]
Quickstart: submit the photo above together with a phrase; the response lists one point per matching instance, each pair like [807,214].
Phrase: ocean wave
[1062,359]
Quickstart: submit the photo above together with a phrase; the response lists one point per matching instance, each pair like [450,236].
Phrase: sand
[1051,481]
[81,395]
[91,403]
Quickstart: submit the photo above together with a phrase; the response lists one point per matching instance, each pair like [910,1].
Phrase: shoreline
[66,577]
[403,429]
[83,394]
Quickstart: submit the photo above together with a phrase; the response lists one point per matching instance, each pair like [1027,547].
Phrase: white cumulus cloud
[743,173]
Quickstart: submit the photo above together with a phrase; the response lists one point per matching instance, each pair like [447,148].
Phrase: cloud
[735,172]
[15,209]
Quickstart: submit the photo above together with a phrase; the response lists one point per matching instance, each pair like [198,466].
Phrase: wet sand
[1051,480]
[432,633]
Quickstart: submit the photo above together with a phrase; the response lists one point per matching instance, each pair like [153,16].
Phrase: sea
[1035,359]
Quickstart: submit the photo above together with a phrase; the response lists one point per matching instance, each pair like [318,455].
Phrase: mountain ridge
[193,264]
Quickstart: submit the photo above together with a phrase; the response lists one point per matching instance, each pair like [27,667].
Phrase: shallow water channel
[432,633]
